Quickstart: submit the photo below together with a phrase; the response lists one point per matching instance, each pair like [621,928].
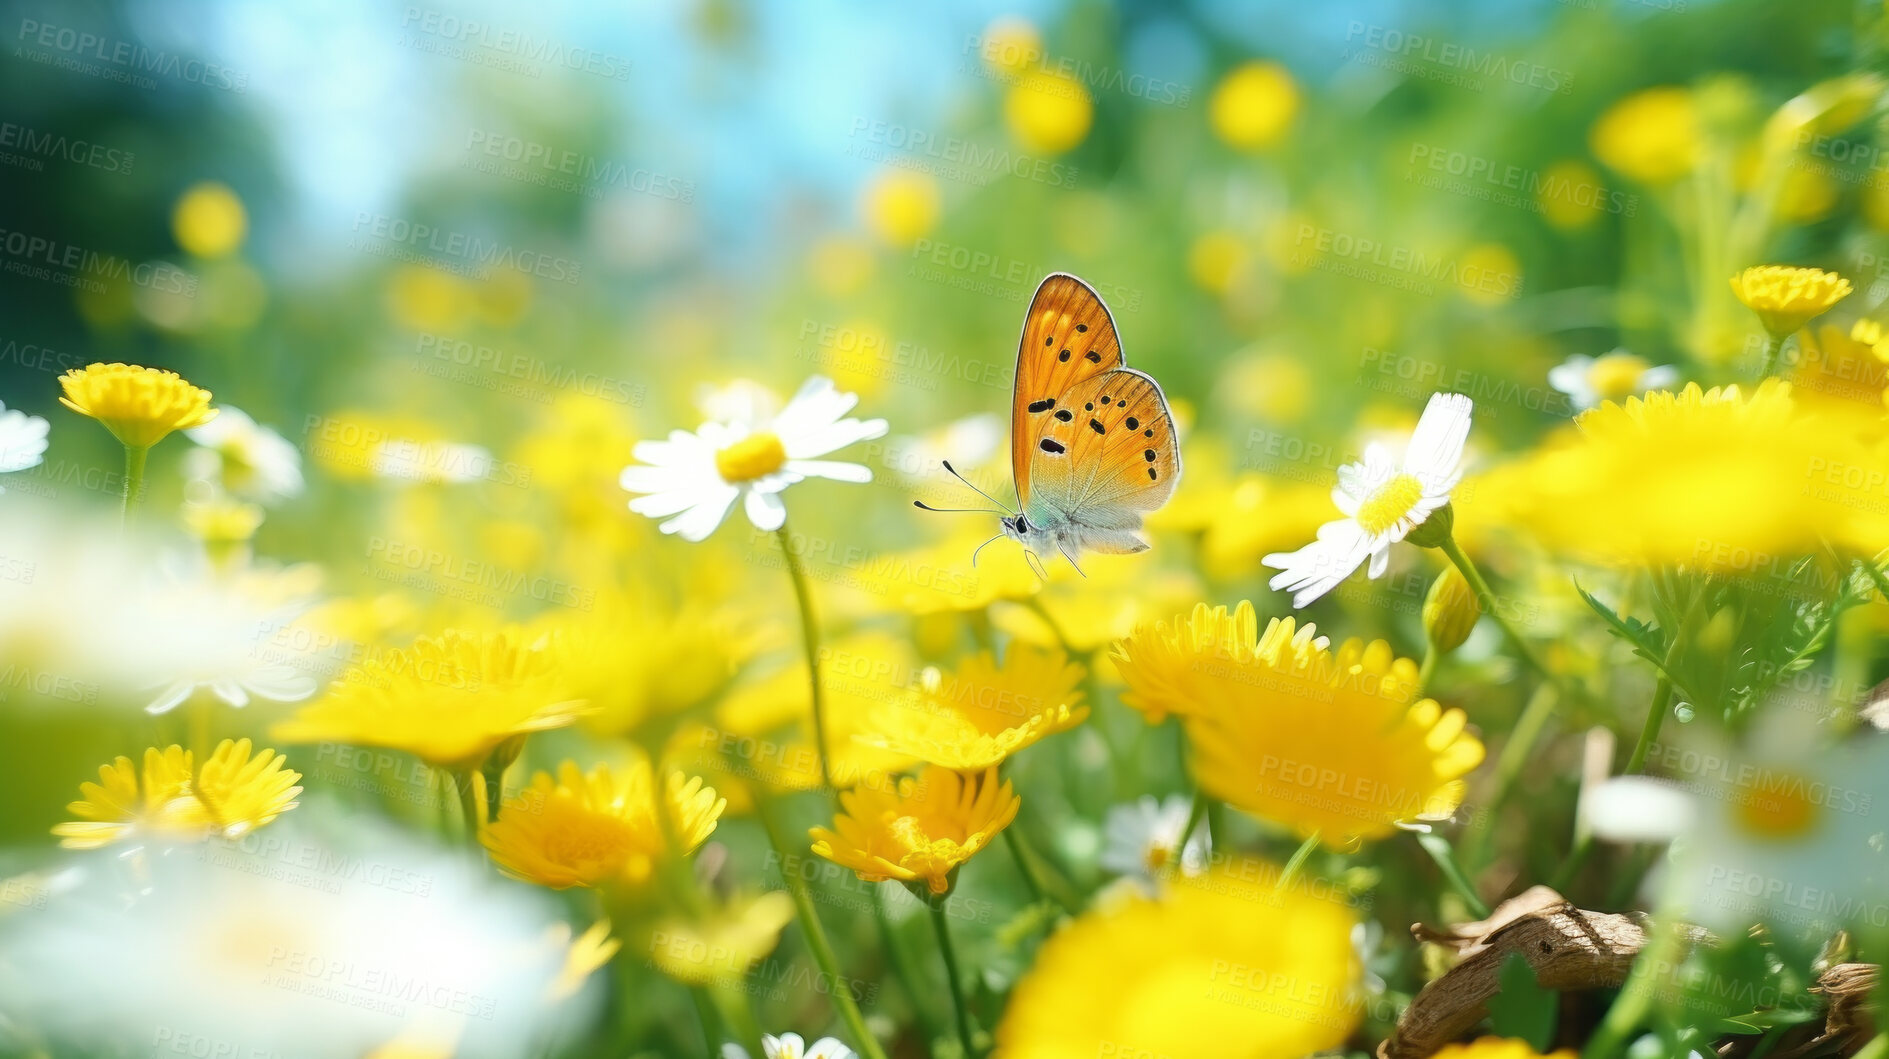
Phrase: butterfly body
[1092,443]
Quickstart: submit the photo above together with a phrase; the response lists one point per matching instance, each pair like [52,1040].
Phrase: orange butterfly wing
[1068,336]
[1107,456]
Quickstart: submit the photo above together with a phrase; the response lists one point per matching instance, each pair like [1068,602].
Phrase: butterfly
[1092,445]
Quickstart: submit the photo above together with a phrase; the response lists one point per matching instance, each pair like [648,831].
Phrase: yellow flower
[169,799]
[1838,366]
[450,699]
[1651,136]
[222,520]
[209,220]
[938,578]
[1450,610]
[723,945]
[901,206]
[1214,258]
[1717,480]
[1291,730]
[1786,298]
[983,713]
[138,405]
[1010,45]
[583,956]
[601,827]
[1048,112]
[1216,959]
[1497,1048]
[923,832]
[1254,105]
[1572,196]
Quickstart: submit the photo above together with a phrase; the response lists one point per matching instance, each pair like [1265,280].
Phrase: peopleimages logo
[1452,55]
[511,42]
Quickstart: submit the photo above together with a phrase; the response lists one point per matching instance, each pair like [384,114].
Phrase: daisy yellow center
[754,456]
[1616,375]
[1392,501]
[1157,857]
[1785,812]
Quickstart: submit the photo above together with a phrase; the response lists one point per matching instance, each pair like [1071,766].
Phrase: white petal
[731,1050]
[834,469]
[1638,809]
[1318,567]
[1664,377]
[171,698]
[639,478]
[701,520]
[1346,502]
[832,438]
[817,405]
[765,510]
[1380,562]
[281,683]
[1570,376]
[1437,445]
[829,1048]
[662,505]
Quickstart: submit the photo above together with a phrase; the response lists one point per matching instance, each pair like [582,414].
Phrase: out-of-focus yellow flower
[1323,741]
[1489,274]
[1571,195]
[1213,258]
[939,578]
[1497,1048]
[982,713]
[840,266]
[209,220]
[1786,298]
[1253,106]
[1652,136]
[1450,610]
[233,794]
[1275,386]
[140,406]
[222,520]
[1716,480]
[1823,109]
[428,299]
[1806,196]
[450,699]
[584,955]
[900,206]
[1210,956]
[1087,613]
[924,832]
[600,827]
[578,448]
[1834,365]
[1048,112]
[725,944]
[1010,45]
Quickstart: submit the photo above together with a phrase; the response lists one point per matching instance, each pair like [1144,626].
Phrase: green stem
[901,964]
[1427,668]
[1508,767]
[134,477]
[1194,816]
[1877,1048]
[1773,345]
[1439,850]
[1024,867]
[711,1026]
[951,975]
[1655,716]
[1299,857]
[1486,599]
[810,637]
[817,942]
[469,808]
[1045,882]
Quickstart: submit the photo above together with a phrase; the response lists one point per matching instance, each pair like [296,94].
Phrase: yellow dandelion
[936,579]
[1652,136]
[921,833]
[1048,112]
[209,220]
[170,800]
[1217,958]
[724,943]
[982,713]
[450,699]
[1836,365]
[1322,740]
[1786,298]
[600,827]
[1254,105]
[139,405]
[1497,1048]
[901,206]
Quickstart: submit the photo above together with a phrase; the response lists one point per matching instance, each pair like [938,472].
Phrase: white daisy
[1140,839]
[249,460]
[215,638]
[693,479]
[1382,503]
[22,440]
[1609,377]
[790,1046]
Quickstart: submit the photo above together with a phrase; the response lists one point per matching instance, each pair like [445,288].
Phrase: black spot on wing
[1096,425]
[1065,415]
[1082,327]
[1094,356]
[1063,356]
[1151,474]
[1148,455]
[1049,446]
[1044,405]
[1133,423]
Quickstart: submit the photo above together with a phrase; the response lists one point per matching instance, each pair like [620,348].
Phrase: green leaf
[1646,640]
[1521,1007]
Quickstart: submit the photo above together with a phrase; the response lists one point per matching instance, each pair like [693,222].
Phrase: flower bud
[1450,611]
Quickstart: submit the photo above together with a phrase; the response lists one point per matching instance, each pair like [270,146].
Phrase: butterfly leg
[1064,548]
[1036,565]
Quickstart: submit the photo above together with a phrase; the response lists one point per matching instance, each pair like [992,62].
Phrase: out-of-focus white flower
[790,1046]
[1775,834]
[1609,377]
[967,443]
[293,942]
[1142,840]
[445,462]
[22,440]
[742,402]
[251,461]
[691,480]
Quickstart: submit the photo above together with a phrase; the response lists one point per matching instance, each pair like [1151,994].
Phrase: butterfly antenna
[1071,558]
[974,488]
[922,506]
[980,548]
